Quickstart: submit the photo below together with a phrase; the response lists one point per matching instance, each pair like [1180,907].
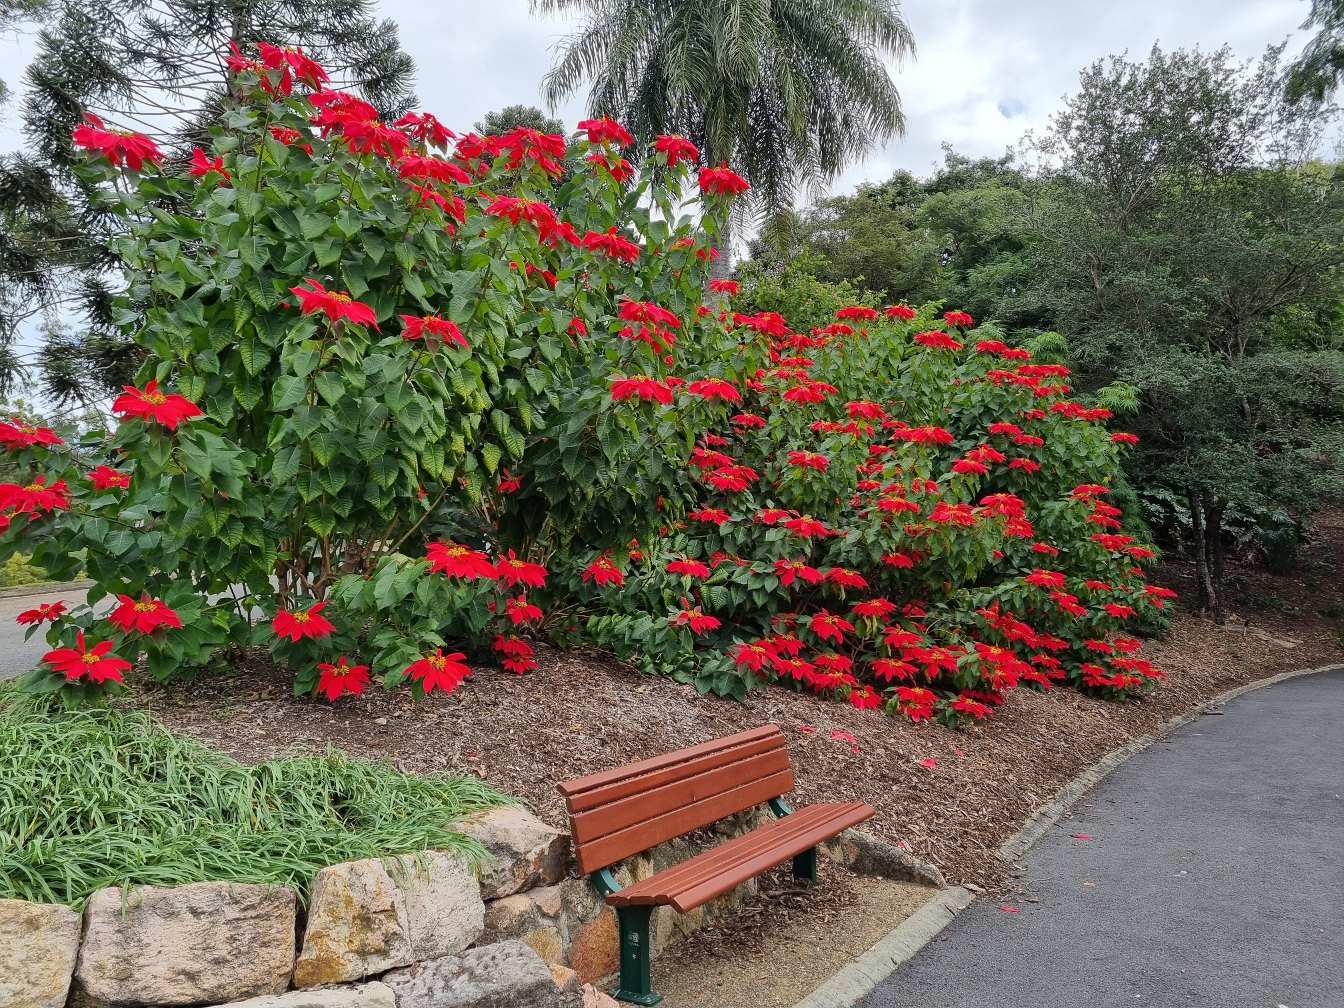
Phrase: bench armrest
[605,881]
[779,807]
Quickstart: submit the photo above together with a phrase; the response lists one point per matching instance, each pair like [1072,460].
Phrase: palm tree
[788,91]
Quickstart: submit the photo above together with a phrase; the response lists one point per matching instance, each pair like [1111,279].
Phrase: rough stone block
[595,947]
[202,942]
[38,947]
[505,975]
[527,852]
[373,995]
[368,916]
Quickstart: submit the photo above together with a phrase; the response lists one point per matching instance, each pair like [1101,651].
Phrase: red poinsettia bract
[335,305]
[166,408]
[335,680]
[95,662]
[44,613]
[145,615]
[297,625]
[439,671]
[118,146]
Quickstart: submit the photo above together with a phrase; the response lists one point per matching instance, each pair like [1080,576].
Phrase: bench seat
[700,879]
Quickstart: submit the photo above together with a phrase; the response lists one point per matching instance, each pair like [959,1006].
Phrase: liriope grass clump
[99,797]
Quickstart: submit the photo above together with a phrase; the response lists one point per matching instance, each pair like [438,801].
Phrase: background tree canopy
[156,67]
[1176,225]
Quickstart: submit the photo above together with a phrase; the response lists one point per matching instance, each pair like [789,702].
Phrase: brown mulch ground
[581,712]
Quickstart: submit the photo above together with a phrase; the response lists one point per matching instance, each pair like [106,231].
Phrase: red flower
[688,568]
[843,577]
[1118,611]
[577,327]
[969,467]
[1120,437]
[510,570]
[606,130]
[808,460]
[966,705]
[864,698]
[857,313]
[806,526]
[144,616]
[1045,579]
[603,572]
[105,478]
[302,624]
[937,341]
[694,618]
[619,169]
[613,244]
[167,408]
[676,148]
[521,611]
[511,482]
[46,611]
[133,149]
[425,128]
[95,662]
[20,434]
[829,627]
[958,318]
[877,608]
[439,671]
[901,311]
[722,181]
[641,386]
[714,388]
[747,420]
[335,305]
[788,570]
[202,166]
[724,286]
[458,561]
[715,515]
[36,496]
[341,678]
[292,59]
[415,327]
[518,654]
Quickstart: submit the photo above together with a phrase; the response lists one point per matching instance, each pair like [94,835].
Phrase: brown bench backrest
[627,810]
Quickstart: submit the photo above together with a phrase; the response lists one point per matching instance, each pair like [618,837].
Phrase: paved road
[1215,877]
[17,656]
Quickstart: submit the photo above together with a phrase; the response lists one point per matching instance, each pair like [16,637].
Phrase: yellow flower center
[146,606]
[301,617]
[155,398]
[438,663]
[35,487]
[89,659]
[28,428]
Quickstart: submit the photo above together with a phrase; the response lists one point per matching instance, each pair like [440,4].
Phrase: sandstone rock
[864,854]
[368,916]
[594,998]
[38,946]
[527,852]
[506,975]
[595,947]
[566,979]
[203,942]
[374,995]
[546,942]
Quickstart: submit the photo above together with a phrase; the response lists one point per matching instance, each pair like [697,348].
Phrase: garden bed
[579,712]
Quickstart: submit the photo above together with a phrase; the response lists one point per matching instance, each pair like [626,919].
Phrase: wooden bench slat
[708,890]
[706,876]
[599,853]
[627,784]
[648,804]
[573,789]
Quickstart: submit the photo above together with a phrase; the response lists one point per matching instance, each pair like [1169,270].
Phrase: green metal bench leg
[805,866]
[633,922]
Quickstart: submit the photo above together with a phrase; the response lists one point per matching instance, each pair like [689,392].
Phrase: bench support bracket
[804,864]
[633,923]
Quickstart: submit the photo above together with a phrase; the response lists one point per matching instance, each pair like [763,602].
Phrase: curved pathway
[1214,877]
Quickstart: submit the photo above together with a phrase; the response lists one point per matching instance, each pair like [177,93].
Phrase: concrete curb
[859,978]
[1068,796]
[54,588]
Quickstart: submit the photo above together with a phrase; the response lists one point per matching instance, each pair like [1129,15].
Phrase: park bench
[628,810]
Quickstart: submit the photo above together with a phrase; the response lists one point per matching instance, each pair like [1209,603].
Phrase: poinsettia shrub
[412,401]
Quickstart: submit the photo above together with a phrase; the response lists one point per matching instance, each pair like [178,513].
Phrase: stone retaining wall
[393,933]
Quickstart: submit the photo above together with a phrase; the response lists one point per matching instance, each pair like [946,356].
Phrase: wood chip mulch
[581,712]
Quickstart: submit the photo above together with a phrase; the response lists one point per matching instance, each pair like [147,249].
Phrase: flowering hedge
[411,400]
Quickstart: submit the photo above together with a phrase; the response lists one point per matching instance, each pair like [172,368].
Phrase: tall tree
[1315,74]
[1181,217]
[156,66]
[788,91]
[502,120]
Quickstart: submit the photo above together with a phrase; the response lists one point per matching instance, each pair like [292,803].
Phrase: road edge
[857,980]
[860,977]
[54,588]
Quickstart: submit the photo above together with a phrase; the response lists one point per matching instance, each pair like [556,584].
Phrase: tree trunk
[720,268]
[1207,592]
[1213,533]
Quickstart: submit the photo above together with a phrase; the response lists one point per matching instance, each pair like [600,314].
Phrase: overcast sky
[985,72]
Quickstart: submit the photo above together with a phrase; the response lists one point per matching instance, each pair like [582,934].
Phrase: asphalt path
[1214,876]
[17,656]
